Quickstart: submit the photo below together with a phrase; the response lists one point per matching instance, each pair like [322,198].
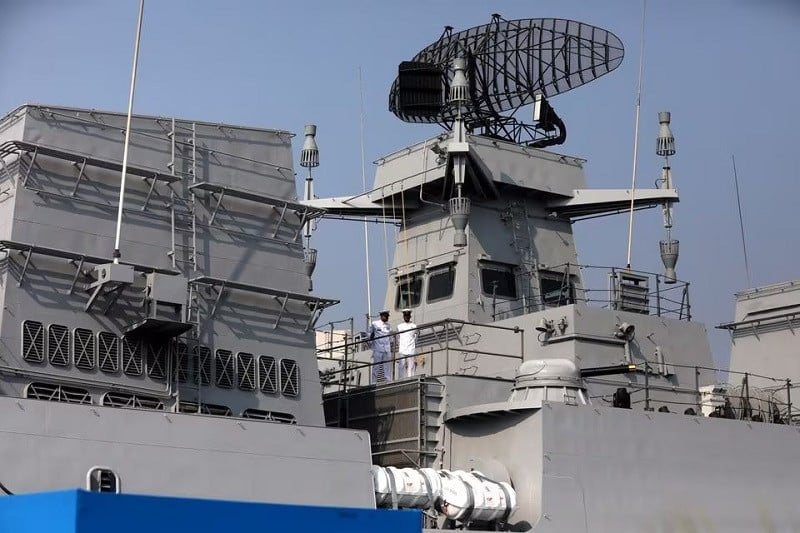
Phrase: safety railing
[444,347]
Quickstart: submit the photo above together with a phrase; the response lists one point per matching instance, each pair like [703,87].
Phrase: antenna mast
[364,186]
[741,223]
[117,253]
[636,136]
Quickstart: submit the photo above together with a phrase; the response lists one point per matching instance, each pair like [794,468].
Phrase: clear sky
[728,70]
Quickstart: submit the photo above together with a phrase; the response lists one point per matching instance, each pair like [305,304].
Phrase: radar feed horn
[510,64]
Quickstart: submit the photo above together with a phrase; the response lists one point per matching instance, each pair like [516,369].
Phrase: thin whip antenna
[117,253]
[636,135]
[364,185]
[741,223]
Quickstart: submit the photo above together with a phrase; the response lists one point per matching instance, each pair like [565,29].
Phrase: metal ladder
[516,215]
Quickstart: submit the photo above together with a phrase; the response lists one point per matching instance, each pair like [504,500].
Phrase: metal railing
[438,344]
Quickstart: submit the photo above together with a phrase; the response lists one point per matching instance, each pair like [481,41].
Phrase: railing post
[446,349]
[789,402]
[688,304]
[346,347]
[697,388]
[658,295]
[646,385]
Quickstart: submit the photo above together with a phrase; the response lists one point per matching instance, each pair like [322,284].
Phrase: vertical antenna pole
[117,253]
[741,223]
[364,185]
[636,135]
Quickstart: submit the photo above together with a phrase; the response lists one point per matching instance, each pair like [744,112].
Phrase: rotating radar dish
[510,64]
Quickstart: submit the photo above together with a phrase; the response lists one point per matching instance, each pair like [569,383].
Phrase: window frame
[399,282]
[439,270]
[499,267]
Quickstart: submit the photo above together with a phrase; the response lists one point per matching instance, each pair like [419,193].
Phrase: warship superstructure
[179,359]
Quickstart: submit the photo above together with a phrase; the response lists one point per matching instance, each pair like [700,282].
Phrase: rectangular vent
[205,408]
[33,341]
[108,349]
[202,358]
[58,393]
[246,371]
[58,345]
[267,374]
[158,359]
[183,365]
[269,416]
[132,401]
[132,359]
[225,369]
[290,377]
[83,345]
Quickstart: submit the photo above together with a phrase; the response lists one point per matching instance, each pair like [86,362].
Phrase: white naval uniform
[406,349]
[379,332]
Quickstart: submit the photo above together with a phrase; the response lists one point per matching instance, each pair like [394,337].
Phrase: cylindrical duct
[669,256]
[459,215]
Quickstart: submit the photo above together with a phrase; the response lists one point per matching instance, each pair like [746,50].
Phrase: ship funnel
[459,214]
[669,256]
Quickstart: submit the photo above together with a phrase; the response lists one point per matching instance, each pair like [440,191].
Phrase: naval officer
[380,334]
[406,345]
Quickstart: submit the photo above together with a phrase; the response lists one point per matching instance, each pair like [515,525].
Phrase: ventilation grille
[269,416]
[157,360]
[267,374]
[58,393]
[225,369]
[290,377]
[246,371]
[33,341]
[58,345]
[132,356]
[83,342]
[108,349]
[132,401]
[205,408]
[183,368]
[202,356]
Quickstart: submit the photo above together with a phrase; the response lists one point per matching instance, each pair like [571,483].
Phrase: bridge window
[556,289]
[441,282]
[498,279]
[409,290]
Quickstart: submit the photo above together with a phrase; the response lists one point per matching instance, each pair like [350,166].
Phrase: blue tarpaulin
[79,511]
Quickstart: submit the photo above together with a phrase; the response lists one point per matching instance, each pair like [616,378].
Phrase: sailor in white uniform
[380,334]
[406,346]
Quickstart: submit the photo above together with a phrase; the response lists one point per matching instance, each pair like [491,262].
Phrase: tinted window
[498,280]
[409,291]
[440,283]
[557,292]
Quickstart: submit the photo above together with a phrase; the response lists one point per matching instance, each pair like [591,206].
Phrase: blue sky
[726,69]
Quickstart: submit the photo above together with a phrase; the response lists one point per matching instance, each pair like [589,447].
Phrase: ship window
[409,290]
[83,344]
[58,393]
[132,401]
[225,369]
[440,283]
[183,369]
[556,290]
[58,345]
[33,341]
[246,371]
[100,479]
[267,374]
[290,377]
[132,363]
[202,357]
[157,360]
[498,279]
[108,348]
[269,416]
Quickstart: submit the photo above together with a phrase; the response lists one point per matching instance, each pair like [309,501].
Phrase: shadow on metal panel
[79,511]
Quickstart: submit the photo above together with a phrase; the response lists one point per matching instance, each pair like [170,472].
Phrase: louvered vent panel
[132,401]
[225,369]
[267,374]
[108,350]
[183,368]
[202,358]
[58,393]
[33,341]
[269,416]
[246,371]
[206,409]
[58,345]
[290,378]
[157,359]
[132,360]
[83,345]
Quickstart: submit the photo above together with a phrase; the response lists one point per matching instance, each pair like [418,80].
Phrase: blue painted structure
[79,511]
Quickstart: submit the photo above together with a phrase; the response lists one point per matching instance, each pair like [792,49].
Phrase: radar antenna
[510,64]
